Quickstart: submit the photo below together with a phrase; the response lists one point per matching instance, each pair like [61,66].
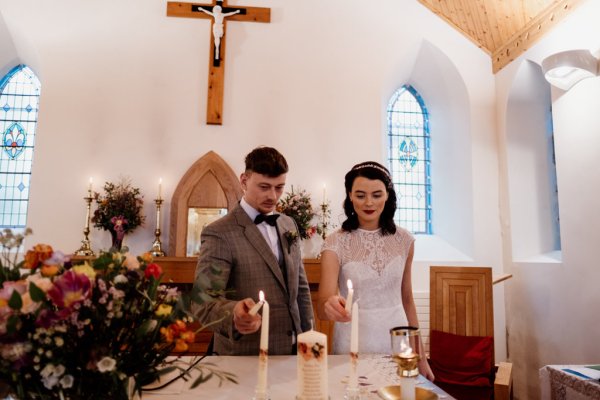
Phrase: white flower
[67,381]
[107,364]
[59,341]
[120,279]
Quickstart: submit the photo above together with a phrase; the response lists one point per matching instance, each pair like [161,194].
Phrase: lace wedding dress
[375,264]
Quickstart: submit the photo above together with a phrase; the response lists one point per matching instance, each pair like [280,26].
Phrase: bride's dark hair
[375,171]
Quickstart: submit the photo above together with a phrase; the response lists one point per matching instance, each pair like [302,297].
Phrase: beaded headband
[373,166]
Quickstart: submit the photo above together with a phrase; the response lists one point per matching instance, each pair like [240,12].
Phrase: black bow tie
[269,219]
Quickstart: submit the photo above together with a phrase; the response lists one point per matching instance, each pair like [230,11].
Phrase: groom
[251,249]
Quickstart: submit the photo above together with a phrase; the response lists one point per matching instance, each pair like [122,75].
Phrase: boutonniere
[291,237]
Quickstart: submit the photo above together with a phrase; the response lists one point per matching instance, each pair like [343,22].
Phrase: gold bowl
[393,393]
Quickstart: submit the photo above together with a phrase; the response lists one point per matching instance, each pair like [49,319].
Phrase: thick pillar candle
[349,297]
[312,366]
[407,388]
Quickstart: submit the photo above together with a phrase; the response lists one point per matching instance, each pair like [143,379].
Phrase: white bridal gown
[375,264]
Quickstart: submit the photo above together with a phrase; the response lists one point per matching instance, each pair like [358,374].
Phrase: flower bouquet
[98,330]
[119,210]
[296,204]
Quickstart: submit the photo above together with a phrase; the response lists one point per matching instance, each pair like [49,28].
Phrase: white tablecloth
[558,384]
[375,372]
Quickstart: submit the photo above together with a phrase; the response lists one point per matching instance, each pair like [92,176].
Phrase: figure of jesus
[218,15]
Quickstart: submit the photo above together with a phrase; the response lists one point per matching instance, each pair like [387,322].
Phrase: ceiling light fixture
[565,69]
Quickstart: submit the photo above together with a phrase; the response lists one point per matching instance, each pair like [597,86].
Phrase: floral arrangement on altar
[297,205]
[98,330]
[119,210]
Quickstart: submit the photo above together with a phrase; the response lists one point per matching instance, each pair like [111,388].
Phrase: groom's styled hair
[266,161]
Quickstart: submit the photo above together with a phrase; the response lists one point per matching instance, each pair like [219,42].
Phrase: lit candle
[257,306]
[264,330]
[312,366]
[349,297]
[263,355]
[90,185]
[159,188]
[354,348]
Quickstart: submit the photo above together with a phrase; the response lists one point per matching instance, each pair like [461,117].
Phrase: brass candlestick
[157,250]
[86,249]
[325,214]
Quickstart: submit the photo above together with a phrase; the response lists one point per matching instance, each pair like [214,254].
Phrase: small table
[558,383]
[375,370]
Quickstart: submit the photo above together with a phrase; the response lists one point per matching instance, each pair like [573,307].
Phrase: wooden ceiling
[502,28]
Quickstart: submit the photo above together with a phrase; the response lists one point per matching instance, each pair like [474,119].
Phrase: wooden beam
[523,39]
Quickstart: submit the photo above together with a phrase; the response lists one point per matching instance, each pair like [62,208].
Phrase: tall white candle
[312,366]
[354,348]
[264,330]
[159,188]
[349,297]
[263,356]
[257,306]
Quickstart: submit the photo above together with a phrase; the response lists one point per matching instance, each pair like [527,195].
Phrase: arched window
[19,99]
[408,159]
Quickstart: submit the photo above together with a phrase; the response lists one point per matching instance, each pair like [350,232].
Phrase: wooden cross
[216,61]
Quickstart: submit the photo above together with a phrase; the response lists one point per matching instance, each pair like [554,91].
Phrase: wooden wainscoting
[180,271]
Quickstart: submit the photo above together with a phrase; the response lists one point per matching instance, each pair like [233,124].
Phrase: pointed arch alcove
[209,183]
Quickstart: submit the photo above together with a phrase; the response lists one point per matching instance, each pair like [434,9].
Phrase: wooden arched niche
[209,184]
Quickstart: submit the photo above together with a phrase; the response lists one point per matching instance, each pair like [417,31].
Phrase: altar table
[565,382]
[375,371]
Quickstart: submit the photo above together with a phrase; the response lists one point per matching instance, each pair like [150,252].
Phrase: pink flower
[71,288]
[153,270]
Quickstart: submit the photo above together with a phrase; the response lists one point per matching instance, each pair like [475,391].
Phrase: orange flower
[188,336]
[37,255]
[167,334]
[49,270]
[147,257]
[180,345]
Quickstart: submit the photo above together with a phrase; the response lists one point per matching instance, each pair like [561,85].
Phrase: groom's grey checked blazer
[234,244]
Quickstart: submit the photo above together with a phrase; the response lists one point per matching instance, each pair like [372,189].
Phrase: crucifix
[219,13]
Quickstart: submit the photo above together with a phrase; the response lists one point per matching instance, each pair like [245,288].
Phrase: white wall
[549,303]
[124,90]
[8,53]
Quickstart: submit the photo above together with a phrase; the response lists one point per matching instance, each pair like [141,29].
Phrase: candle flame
[349,283]
[261,296]
[159,181]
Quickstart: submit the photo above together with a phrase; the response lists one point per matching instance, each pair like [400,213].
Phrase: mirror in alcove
[204,194]
[198,218]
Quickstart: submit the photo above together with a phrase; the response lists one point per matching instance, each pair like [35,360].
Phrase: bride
[376,255]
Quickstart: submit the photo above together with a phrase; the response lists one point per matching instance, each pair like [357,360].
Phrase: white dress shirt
[269,232]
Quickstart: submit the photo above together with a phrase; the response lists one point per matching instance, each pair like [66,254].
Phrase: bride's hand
[334,309]
[425,369]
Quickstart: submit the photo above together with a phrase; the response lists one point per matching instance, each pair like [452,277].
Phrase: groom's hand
[244,322]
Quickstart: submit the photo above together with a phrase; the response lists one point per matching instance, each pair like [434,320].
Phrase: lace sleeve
[332,243]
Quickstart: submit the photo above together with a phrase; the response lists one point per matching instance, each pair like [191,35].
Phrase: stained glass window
[408,159]
[19,99]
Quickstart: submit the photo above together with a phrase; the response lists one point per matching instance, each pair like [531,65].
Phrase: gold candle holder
[157,250]
[86,249]
[406,350]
